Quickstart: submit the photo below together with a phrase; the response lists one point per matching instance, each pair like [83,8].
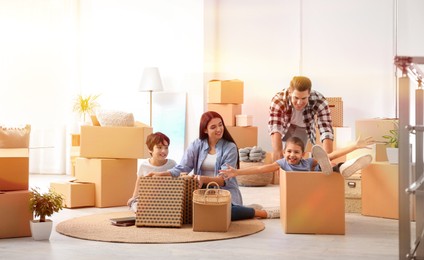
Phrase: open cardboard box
[312,203]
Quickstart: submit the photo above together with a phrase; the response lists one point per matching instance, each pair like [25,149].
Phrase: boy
[293,160]
[158,144]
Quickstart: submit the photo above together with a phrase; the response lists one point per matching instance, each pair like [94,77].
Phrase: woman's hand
[199,180]
[228,173]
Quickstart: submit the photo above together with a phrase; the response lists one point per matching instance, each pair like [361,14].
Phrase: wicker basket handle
[209,189]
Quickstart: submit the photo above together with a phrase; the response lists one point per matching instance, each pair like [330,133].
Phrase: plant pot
[41,230]
[392,155]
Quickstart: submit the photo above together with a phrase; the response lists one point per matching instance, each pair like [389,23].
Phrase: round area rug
[98,227]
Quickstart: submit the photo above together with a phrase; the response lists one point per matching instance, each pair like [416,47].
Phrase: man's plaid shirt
[280,112]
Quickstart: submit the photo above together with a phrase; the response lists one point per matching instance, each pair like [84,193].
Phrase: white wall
[119,38]
[345,47]
[37,68]
[52,50]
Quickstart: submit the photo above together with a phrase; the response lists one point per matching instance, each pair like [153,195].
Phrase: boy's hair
[300,83]
[156,138]
[297,141]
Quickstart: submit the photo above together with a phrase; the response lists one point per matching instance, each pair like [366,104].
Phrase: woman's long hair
[204,121]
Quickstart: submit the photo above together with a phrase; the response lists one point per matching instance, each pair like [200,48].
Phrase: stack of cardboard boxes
[226,98]
[342,138]
[14,176]
[106,170]
[380,184]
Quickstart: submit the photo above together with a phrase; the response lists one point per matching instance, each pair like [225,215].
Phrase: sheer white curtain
[38,68]
[52,50]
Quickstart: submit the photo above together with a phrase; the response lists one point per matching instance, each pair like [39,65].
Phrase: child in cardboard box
[158,144]
[293,160]
[213,151]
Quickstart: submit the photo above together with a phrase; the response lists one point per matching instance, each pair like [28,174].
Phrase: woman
[211,152]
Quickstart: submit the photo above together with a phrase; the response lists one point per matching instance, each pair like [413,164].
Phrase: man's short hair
[300,83]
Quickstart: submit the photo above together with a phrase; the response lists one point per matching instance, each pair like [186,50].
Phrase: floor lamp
[150,82]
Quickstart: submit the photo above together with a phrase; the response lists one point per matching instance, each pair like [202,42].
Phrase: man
[292,113]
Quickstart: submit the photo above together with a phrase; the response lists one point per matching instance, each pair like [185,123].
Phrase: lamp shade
[151,80]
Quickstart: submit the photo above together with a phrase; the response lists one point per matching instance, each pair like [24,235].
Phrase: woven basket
[254,180]
[212,196]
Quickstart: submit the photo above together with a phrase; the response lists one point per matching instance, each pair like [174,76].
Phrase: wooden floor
[366,238]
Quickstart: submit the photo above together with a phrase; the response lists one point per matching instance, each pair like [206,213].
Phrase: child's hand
[158,174]
[228,173]
[129,202]
[151,174]
[364,143]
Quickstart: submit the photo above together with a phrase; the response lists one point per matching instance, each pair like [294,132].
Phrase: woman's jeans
[240,212]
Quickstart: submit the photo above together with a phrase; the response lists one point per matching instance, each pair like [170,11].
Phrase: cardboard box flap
[14,152]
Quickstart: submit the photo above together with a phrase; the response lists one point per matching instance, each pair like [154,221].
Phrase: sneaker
[319,154]
[351,166]
[255,206]
[272,212]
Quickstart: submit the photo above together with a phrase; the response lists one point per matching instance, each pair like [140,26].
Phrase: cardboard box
[211,218]
[375,127]
[15,214]
[227,111]
[379,152]
[114,179]
[14,169]
[75,139]
[225,91]
[342,138]
[353,193]
[244,120]
[15,137]
[75,153]
[114,141]
[353,205]
[312,203]
[211,210]
[336,110]
[244,136]
[76,194]
[380,190]
[353,186]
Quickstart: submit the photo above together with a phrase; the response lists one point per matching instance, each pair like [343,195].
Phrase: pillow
[114,118]
[14,137]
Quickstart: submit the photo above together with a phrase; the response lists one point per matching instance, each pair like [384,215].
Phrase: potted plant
[85,105]
[393,144]
[43,205]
